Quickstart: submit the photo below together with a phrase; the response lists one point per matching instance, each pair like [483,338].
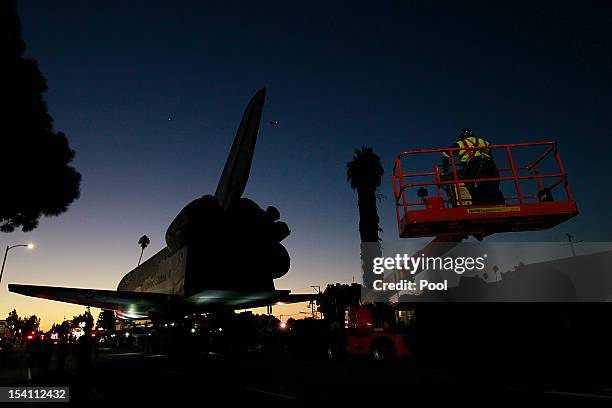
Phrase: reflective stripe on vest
[466,156]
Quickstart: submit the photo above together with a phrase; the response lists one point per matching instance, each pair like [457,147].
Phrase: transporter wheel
[382,350]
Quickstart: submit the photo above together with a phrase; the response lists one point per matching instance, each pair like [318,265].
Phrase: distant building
[4,329]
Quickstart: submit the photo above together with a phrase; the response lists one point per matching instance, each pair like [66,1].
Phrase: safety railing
[517,171]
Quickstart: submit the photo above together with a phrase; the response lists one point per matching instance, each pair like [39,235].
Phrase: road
[144,378]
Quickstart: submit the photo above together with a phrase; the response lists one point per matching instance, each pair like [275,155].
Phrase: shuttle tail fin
[238,165]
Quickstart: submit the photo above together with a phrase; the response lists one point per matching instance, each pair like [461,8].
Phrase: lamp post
[9,247]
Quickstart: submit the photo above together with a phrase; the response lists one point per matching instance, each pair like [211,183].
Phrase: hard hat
[465,132]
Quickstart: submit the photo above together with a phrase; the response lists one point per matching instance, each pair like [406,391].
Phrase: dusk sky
[150,95]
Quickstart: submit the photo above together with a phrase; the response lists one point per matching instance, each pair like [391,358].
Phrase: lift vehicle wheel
[382,350]
[334,351]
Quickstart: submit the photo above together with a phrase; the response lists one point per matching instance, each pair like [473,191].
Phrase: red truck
[371,330]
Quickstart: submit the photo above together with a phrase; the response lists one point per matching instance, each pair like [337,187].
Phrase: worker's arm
[446,157]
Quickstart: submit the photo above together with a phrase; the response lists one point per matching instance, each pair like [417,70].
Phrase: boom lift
[530,176]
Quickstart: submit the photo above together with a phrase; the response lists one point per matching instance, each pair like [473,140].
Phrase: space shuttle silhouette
[223,251]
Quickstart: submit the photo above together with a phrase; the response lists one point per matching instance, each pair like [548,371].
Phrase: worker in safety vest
[475,164]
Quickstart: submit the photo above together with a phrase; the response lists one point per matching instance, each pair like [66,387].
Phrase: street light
[29,246]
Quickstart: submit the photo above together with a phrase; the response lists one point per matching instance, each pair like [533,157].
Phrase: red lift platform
[531,175]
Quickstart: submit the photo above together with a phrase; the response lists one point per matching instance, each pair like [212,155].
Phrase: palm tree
[364,173]
[144,242]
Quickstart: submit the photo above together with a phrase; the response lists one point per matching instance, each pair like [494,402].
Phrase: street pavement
[127,376]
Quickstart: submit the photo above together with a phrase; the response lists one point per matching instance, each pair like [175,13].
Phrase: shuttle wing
[132,304]
[225,299]
[137,305]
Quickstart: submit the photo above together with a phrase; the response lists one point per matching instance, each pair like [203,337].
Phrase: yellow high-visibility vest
[466,156]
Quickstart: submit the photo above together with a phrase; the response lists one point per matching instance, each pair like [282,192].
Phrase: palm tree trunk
[368,231]
[140,259]
[368,215]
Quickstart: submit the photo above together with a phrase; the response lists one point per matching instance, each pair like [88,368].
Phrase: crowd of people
[41,349]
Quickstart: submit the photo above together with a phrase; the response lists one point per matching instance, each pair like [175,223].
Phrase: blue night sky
[393,76]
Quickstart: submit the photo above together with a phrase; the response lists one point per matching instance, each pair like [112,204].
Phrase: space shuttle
[222,251]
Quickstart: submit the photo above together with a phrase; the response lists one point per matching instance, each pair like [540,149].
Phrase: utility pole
[312,303]
[570,239]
